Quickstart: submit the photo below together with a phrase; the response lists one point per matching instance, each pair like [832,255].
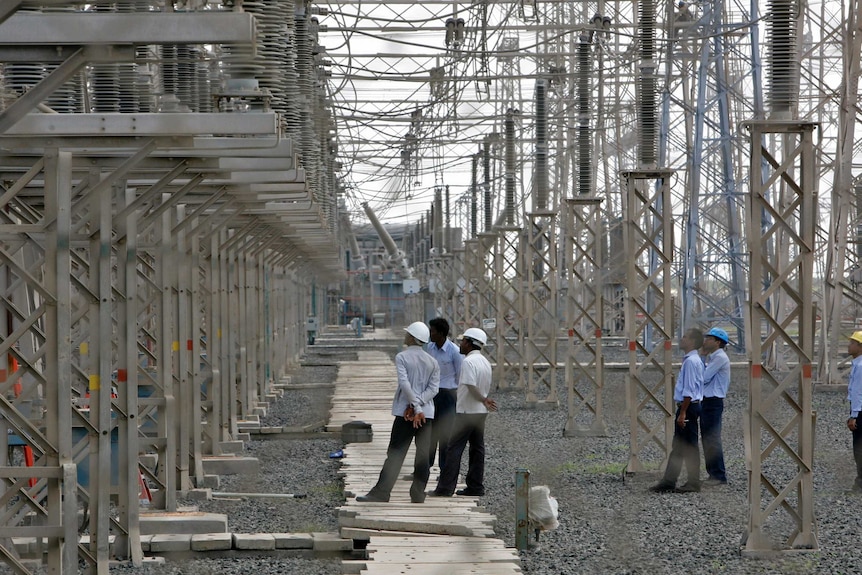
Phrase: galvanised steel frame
[147,264]
[540,308]
[509,293]
[780,421]
[584,318]
[648,242]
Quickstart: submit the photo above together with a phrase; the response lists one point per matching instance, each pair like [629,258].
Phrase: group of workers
[702,385]
[441,403]
[450,385]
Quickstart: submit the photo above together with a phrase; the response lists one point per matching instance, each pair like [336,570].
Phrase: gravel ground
[300,466]
[610,523]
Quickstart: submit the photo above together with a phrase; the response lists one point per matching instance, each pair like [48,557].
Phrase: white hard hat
[419,331]
[476,335]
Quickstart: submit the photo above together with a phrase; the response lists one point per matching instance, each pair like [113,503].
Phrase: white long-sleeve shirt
[418,382]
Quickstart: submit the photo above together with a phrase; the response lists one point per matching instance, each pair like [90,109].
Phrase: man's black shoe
[663,487]
[470,493]
[689,488]
[371,499]
[417,500]
[437,493]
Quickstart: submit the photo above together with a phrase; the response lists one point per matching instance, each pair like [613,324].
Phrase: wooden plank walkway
[451,536]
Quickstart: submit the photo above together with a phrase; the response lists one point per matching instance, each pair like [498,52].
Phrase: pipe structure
[396,256]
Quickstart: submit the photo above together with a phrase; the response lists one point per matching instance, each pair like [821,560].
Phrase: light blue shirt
[716,375]
[449,357]
[854,389]
[418,382]
[690,380]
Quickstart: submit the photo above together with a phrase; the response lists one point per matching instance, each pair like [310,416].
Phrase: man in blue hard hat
[716,381]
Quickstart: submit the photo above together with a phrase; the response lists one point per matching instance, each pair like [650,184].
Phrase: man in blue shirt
[687,394]
[716,381]
[449,358]
[854,396]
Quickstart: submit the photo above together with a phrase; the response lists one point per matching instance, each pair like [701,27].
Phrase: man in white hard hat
[413,408]
[472,409]
[854,396]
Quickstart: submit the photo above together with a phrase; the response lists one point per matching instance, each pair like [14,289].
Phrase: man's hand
[418,420]
[490,404]
[409,413]
[680,421]
[851,424]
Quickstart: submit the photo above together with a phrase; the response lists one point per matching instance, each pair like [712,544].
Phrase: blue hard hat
[718,333]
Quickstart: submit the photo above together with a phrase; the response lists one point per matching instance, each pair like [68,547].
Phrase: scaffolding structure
[163,243]
[174,213]
[655,92]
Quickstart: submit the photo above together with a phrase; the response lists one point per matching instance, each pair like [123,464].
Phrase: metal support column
[460,286]
[510,321]
[486,293]
[128,544]
[780,422]
[472,298]
[584,318]
[168,370]
[540,300]
[648,239]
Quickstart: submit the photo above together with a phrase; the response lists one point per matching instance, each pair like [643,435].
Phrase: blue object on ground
[337,454]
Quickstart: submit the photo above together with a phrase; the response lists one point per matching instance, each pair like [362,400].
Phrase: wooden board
[444,535]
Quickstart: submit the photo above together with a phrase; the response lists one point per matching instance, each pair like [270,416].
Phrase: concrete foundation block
[230,465]
[331,542]
[243,437]
[190,523]
[145,543]
[24,545]
[170,542]
[254,541]
[205,494]
[231,446]
[293,541]
[212,542]
[210,482]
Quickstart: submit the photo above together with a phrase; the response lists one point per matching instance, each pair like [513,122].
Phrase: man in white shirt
[449,358]
[413,406]
[472,409]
